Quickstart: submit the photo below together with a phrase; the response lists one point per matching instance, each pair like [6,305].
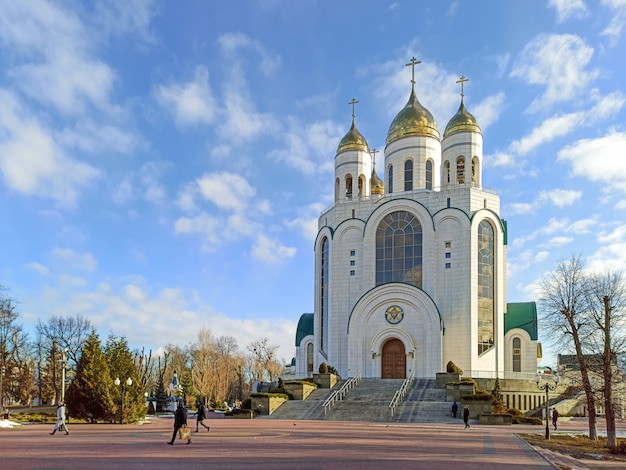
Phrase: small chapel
[410,269]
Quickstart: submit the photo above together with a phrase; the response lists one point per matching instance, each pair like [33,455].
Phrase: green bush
[452,368]
[323,368]
[271,395]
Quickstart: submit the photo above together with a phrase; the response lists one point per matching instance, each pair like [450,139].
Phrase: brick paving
[268,444]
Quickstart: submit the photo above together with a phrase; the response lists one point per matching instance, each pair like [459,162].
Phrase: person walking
[201,416]
[555,417]
[466,416]
[60,425]
[180,420]
[455,408]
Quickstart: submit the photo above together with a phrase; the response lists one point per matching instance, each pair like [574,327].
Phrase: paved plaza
[274,444]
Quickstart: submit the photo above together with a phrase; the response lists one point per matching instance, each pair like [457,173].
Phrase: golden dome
[462,121]
[412,120]
[353,140]
[376,184]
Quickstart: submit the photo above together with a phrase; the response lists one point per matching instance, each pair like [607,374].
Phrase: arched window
[408,175]
[429,174]
[399,249]
[390,178]
[309,358]
[475,171]
[486,286]
[460,170]
[517,355]
[349,186]
[325,262]
[446,173]
[361,179]
[337,186]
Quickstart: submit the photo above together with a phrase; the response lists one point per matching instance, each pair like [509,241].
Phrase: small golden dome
[376,184]
[353,140]
[462,121]
[412,120]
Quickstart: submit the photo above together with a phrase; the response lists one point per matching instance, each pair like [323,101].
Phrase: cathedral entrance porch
[393,360]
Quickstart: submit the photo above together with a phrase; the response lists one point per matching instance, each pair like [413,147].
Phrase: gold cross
[353,102]
[413,63]
[374,152]
[462,80]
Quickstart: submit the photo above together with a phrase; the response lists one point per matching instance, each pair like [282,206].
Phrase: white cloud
[209,227]
[558,62]
[89,136]
[560,197]
[618,20]
[38,268]
[271,251]
[129,16]
[74,260]
[566,9]
[305,148]
[227,191]
[488,111]
[307,223]
[190,103]
[32,163]
[232,45]
[583,157]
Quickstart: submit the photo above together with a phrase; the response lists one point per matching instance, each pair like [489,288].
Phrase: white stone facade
[428,312]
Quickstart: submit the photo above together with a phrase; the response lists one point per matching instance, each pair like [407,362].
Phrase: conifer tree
[88,396]
[122,366]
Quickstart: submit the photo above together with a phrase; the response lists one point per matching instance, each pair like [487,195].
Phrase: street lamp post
[547,386]
[117,382]
[63,366]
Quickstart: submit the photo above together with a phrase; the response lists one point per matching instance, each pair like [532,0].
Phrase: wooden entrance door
[393,360]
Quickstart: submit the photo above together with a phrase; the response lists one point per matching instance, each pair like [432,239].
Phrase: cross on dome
[412,64]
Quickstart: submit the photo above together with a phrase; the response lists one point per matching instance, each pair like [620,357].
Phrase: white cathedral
[410,273]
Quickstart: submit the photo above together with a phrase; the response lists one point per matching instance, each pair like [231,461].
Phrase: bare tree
[606,306]
[563,305]
[265,365]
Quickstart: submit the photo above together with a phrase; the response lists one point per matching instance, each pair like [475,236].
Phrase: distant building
[410,272]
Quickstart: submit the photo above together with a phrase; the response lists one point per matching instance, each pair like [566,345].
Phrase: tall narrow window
[429,174]
[460,170]
[309,358]
[399,249]
[325,262]
[446,172]
[349,186]
[517,355]
[408,175]
[390,178]
[486,286]
[475,169]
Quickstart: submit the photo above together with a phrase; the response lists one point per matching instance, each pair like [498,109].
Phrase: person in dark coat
[180,420]
[555,417]
[466,416]
[201,416]
[455,408]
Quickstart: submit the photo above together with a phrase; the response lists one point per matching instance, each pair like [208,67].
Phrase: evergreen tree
[88,396]
[160,394]
[122,366]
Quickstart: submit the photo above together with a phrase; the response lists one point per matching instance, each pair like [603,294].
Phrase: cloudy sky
[163,164]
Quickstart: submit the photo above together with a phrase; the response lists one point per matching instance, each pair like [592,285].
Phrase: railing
[340,394]
[399,395]
[507,374]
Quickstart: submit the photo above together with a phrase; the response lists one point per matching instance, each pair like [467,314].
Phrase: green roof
[521,315]
[305,327]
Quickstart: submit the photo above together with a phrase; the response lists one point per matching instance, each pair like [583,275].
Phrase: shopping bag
[184,433]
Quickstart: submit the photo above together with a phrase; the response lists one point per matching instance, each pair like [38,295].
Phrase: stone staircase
[369,401]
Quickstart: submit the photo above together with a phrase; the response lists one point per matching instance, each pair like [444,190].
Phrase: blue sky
[163,164]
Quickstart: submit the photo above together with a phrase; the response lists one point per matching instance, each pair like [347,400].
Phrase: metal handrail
[399,395]
[342,392]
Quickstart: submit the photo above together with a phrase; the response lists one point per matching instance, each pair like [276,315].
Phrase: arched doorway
[393,364]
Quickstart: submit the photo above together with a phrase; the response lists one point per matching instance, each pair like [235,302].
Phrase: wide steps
[369,402]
